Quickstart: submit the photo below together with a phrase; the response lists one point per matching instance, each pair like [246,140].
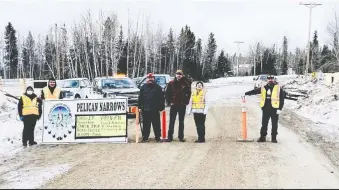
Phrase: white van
[76,88]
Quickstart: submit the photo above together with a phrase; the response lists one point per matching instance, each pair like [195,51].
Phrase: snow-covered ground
[322,103]
[10,144]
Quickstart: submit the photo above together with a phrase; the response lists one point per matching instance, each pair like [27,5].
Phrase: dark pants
[29,126]
[151,117]
[268,114]
[199,120]
[175,109]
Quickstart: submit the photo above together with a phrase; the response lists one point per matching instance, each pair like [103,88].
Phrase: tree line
[101,48]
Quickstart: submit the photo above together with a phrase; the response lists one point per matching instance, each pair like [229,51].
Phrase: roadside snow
[6,105]
[11,144]
[322,103]
[31,178]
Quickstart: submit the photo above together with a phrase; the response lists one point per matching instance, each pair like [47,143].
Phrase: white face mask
[29,92]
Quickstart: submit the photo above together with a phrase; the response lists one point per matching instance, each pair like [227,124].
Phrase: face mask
[29,92]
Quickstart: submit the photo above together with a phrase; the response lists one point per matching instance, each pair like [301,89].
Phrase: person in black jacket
[178,94]
[271,103]
[29,110]
[151,102]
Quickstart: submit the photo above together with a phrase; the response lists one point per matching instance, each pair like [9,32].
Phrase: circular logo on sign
[60,122]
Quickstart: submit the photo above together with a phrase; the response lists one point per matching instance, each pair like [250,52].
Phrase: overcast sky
[248,21]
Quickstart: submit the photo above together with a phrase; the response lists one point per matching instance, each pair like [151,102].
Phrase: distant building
[244,66]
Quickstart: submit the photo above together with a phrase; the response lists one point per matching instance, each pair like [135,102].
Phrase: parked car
[260,80]
[121,86]
[137,80]
[76,88]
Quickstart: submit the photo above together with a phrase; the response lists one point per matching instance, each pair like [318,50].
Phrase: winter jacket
[32,96]
[268,104]
[151,98]
[178,92]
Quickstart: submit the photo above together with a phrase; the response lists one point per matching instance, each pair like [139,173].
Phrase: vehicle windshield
[263,77]
[114,83]
[160,80]
[71,84]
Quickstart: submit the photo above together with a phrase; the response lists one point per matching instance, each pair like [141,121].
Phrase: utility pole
[238,42]
[310,6]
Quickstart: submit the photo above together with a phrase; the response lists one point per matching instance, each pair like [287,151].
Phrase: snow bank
[322,102]
[6,104]
[31,178]
[11,145]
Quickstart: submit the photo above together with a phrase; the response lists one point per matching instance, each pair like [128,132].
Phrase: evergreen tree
[210,55]
[222,67]
[285,57]
[315,54]
[11,49]
[171,51]
[327,58]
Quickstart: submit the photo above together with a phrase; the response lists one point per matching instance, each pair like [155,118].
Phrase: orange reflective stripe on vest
[30,107]
[49,96]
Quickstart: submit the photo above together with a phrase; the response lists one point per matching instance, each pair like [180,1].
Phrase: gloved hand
[278,112]
[21,118]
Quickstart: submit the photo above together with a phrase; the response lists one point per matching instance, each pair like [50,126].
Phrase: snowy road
[219,163]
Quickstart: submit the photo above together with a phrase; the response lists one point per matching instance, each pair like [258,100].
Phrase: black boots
[262,139]
[200,140]
[274,139]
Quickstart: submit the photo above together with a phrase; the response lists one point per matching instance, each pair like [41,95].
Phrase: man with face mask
[271,103]
[51,91]
[30,110]
[150,103]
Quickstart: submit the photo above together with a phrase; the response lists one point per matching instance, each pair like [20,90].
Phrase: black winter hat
[29,88]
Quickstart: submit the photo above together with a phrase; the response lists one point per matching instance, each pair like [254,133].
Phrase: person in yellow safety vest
[51,91]
[271,102]
[198,105]
[29,110]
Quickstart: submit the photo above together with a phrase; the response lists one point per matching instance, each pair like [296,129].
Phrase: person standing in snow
[178,94]
[271,103]
[151,102]
[29,110]
[51,91]
[199,107]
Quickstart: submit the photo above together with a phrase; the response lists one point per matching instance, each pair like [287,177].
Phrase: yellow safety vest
[198,101]
[275,97]
[49,96]
[30,107]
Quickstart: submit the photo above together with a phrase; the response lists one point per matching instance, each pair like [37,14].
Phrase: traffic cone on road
[163,126]
[244,123]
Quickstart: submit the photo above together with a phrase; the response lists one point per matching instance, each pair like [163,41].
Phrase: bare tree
[333,31]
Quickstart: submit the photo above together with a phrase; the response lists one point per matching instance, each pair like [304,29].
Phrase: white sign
[85,120]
